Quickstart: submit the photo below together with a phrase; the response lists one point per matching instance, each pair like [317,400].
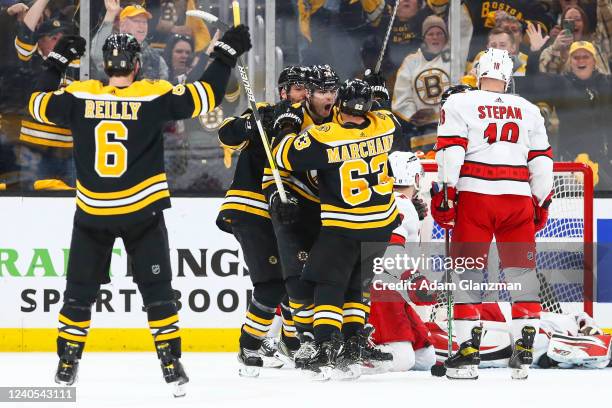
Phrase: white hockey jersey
[408,230]
[493,143]
[419,84]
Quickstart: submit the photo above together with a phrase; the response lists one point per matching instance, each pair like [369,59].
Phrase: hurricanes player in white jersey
[493,154]
[397,325]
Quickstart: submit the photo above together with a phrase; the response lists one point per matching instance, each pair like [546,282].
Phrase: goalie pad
[585,351]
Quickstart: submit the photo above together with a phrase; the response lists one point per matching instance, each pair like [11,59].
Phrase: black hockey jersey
[303,183]
[355,187]
[244,200]
[32,131]
[118,146]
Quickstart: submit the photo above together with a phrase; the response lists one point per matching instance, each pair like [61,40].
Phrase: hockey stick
[246,83]
[387,35]
[447,277]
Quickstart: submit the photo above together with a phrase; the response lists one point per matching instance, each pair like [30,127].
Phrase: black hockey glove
[67,49]
[266,114]
[235,42]
[288,118]
[286,213]
[421,207]
[377,83]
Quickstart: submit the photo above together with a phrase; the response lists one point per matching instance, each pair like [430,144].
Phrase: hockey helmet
[323,77]
[120,52]
[407,169]
[461,88]
[495,64]
[355,97]
[293,75]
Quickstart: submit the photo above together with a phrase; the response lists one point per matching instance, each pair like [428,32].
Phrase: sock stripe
[329,322]
[254,332]
[355,305]
[163,322]
[65,320]
[168,336]
[257,319]
[327,308]
[73,337]
[262,307]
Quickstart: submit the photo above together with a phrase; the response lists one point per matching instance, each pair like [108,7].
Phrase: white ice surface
[108,380]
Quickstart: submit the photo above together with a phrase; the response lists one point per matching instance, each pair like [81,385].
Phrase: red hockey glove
[541,212]
[443,215]
[418,289]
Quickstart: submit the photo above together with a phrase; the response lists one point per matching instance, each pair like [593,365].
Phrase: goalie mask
[355,97]
[495,64]
[407,169]
[120,52]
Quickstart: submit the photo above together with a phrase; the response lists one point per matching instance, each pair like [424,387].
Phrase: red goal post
[570,220]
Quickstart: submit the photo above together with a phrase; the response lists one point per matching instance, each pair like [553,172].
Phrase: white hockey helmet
[407,169]
[495,64]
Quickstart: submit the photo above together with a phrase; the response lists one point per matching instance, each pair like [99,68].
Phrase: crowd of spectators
[561,51]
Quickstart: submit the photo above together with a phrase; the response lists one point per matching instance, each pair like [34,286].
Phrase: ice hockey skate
[306,351]
[522,355]
[250,362]
[68,366]
[172,369]
[348,365]
[464,364]
[373,359]
[268,353]
[322,363]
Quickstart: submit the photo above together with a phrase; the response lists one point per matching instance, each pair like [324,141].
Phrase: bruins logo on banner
[430,84]
[212,120]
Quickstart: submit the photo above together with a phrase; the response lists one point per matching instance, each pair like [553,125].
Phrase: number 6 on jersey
[111,156]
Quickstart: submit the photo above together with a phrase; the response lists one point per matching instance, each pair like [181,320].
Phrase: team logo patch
[211,121]
[430,84]
[178,90]
[273,260]
[302,256]
[323,128]
[155,269]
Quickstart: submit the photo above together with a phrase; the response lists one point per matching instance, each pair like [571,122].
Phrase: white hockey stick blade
[209,18]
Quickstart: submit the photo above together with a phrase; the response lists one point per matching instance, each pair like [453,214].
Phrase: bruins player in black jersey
[121,183]
[357,206]
[297,222]
[244,213]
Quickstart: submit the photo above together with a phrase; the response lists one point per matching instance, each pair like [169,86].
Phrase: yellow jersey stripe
[283,173]
[123,193]
[82,325]
[358,210]
[46,128]
[155,324]
[353,319]
[25,46]
[45,142]
[197,104]
[360,225]
[211,96]
[124,209]
[245,208]
[43,108]
[294,188]
[246,193]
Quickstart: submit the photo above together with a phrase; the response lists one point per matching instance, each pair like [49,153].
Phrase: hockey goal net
[564,262]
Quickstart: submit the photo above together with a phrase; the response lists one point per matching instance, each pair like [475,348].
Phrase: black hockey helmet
[461,88]
[323,77]
[293,75]
[355,97]
[120,52]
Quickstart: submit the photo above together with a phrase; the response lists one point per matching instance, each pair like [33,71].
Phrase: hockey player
[357,205]
[297,222]
[397,325]
[244,213]
[495,165]
[121,183]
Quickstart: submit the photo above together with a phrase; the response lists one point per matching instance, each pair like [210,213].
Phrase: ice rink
[134,380]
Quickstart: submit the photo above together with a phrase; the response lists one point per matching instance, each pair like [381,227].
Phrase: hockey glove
[443,213]
[377,83]
[235,42]
[541,212]
[288,117]
[67,49]
[286,213]
[421,207]
[418,288]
